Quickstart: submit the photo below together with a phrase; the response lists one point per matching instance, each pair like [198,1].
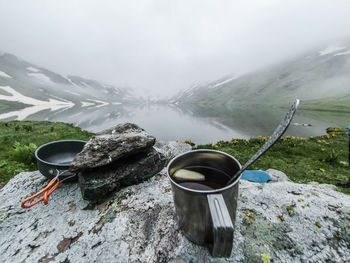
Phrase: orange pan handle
[48,190]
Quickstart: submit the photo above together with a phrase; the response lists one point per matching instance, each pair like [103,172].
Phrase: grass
[320,159]
[19,140]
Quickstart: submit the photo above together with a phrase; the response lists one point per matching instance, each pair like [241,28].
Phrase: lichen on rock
[138,224]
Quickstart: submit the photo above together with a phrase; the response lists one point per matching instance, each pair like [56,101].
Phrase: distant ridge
[23,82]
[319,76]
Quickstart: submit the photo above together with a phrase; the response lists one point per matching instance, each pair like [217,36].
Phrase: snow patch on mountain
[40,84]
[32,69]
[330,50]
[87,104]
[26,112]
[190,94]
[195,85]
[60,111]
[38,105]
[62,99]
[41,77]
[75,115]
[85,84]
[342,53]
[99,102]
[220,125]
[18,97]
[221,83]
[70,81]
[3,74]
[107,86]
[72,92]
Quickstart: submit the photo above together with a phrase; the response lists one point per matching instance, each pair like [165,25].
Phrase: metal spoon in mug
[281,128]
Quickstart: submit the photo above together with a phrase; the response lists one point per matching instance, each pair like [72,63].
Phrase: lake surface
[167,122]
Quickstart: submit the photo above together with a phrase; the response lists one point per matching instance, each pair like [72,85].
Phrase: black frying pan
[53,161]
[57,155]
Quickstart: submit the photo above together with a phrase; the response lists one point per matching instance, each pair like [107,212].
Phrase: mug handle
[222,226]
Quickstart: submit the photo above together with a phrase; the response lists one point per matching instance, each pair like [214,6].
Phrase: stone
[277,176]
[172,148]
[98,183]
[110,145]
[281,222]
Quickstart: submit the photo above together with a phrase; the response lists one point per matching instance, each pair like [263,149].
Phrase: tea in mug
[201,178]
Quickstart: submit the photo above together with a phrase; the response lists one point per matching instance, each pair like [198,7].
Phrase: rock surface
[277,176]
[99,183]
[112,144]
[283,221]
[172,149]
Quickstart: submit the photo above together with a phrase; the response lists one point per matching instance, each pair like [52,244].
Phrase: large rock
[110,145]
[99,183]
[283,221]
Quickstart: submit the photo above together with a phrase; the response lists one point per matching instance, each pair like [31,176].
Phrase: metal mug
[207,217]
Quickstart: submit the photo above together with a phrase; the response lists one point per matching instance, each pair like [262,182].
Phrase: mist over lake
[227,70]
[230,107]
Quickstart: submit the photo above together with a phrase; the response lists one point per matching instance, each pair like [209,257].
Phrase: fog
[159,47]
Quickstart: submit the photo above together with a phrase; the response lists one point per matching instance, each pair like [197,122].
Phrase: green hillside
[340,104]
[310,76]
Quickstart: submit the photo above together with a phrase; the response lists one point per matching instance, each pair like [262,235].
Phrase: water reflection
[168,122]
[262,120]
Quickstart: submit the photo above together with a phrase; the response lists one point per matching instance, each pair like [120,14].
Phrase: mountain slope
[23,82]
[316,75]
[336,104]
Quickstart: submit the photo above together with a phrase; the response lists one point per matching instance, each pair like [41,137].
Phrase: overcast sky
[159,46]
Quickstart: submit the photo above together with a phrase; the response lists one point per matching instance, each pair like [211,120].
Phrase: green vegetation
[320,159]
[19,140]
[337,104]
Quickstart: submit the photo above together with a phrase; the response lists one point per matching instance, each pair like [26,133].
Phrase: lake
[168,122]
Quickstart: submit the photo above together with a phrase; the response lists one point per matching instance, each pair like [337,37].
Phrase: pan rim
[50,143]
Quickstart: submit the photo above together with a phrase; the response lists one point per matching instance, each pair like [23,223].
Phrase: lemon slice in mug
[184,174]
